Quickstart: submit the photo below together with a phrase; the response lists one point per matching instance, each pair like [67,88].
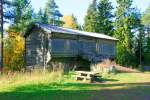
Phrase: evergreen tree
[8,10]
[126,20]
[6,14]
[23,15]
[90,21]
[146,23]
[52,12]
[140,45]
[140,37]
[45,18]
[41,17]
[146,17]
[105,17]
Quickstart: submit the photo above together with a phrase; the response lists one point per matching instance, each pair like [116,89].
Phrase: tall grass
[11,81]
[103,67]
[106,66]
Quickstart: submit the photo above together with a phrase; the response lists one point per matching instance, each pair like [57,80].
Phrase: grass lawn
[122,86]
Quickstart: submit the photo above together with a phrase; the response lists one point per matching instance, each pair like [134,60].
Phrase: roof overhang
[55,29]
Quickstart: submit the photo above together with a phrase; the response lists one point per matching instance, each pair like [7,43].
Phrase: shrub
[13,51]
[147,58]
[106,66]
[34,77]
[141,68]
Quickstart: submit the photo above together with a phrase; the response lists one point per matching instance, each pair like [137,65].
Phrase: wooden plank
[83,78]
[85,72]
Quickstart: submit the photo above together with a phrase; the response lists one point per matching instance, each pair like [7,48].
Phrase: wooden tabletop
[86,72]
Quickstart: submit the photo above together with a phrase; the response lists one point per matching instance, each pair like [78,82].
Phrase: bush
[105,67]
[36,77]
[141,68]
[13,51]
[147,58]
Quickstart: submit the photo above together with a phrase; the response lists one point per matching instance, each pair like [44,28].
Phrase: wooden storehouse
[51,46]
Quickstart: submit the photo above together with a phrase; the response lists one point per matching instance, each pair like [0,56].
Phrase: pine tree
[146,17]
[45,18]
[146,23]
[1,36]
[105,17]
[8,7]
[124,24]
[90,21]
[23,15]
[6,14]
[41,17]
[52,12]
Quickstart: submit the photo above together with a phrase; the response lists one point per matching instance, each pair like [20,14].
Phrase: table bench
[86,76]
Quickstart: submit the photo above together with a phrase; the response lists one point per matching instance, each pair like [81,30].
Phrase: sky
[79,7]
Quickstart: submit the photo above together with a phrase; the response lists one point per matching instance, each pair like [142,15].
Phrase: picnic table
[86,76]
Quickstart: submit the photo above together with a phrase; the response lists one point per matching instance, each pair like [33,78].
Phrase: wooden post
[67,44]
[148,29]
[1,12]
[140,50]
[44,52]
[97,47]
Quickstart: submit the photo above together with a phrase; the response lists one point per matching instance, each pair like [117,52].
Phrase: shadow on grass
[102,80]
[72,91]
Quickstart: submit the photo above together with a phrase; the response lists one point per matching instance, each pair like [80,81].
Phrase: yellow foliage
[69,22]
[13,51]
[19,46]
[12,32]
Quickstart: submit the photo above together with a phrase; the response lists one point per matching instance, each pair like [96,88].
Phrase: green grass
[54,86]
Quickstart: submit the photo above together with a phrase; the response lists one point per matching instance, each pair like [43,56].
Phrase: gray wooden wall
[90,48]
[36,48]
[60,45]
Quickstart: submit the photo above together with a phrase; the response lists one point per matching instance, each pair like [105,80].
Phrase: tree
[19,13]
[45,18]
[146,17]
[52,12]
[140,45]
[5,13]
[41,17]
[13,51]
[125,23]
[23,15]
[70,22]
[1,26]
[90,21]
[8,10]
[105,24]
[146,23]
